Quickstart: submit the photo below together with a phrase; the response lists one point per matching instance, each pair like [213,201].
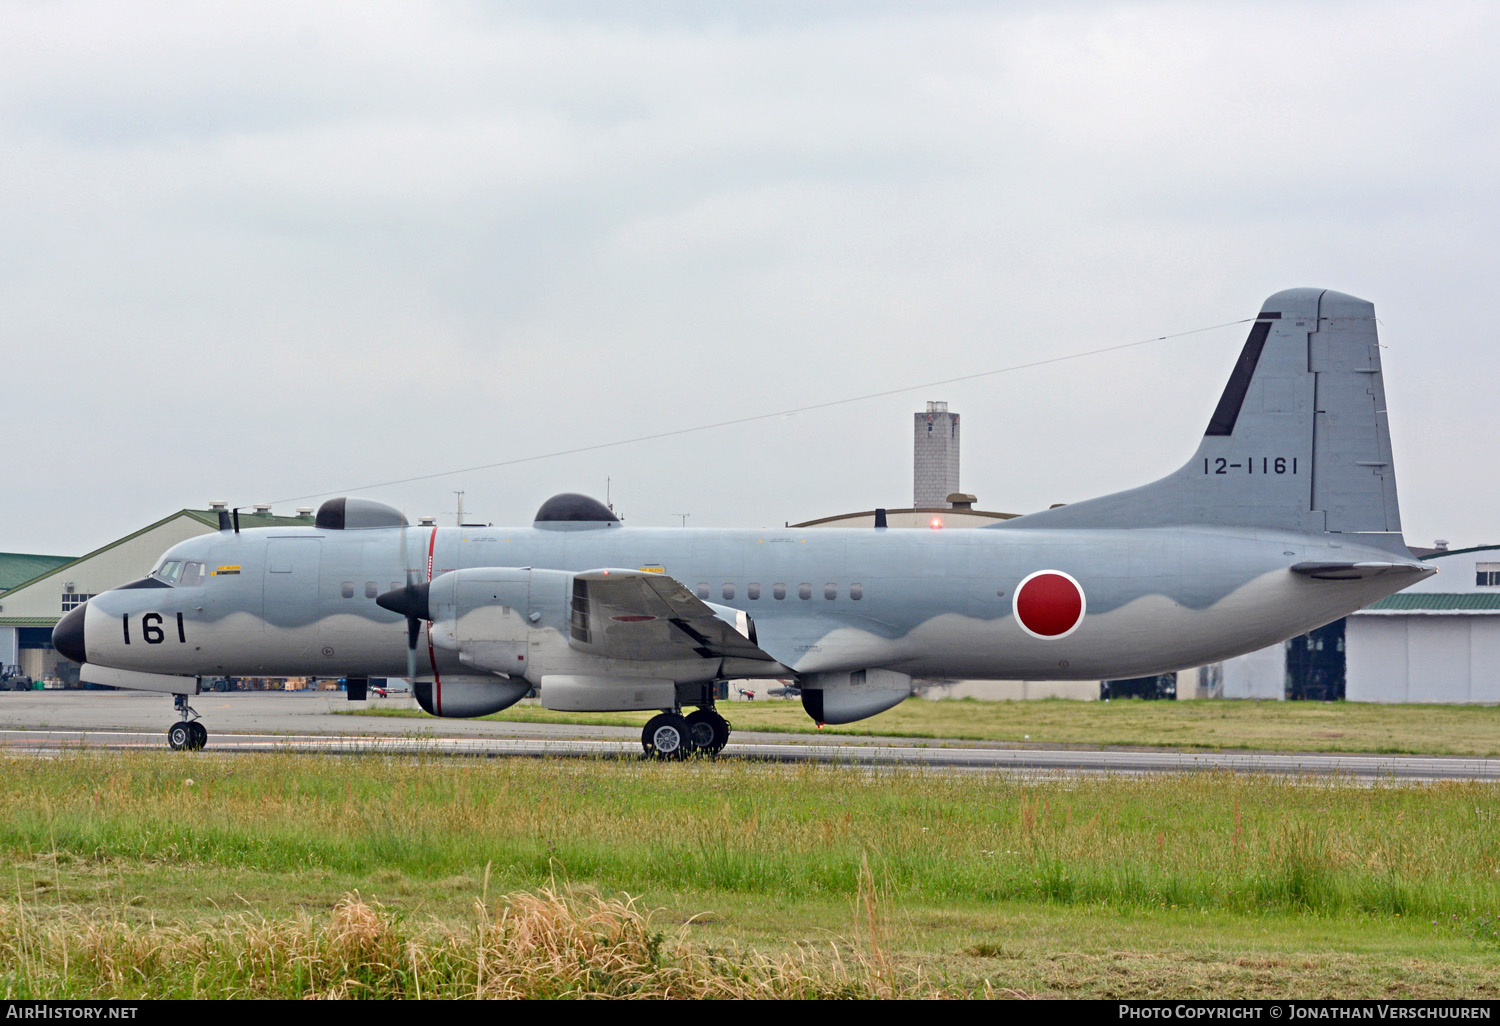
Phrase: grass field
[149,874]
[1263,726]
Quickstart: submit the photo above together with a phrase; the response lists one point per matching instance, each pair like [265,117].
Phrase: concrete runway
[45,722]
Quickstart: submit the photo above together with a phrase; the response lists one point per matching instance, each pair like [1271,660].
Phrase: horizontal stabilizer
[1360,571]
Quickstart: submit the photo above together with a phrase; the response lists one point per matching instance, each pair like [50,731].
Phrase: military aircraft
[1284,519]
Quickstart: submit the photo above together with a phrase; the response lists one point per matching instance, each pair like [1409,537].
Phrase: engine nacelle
[853,694]
[468,696]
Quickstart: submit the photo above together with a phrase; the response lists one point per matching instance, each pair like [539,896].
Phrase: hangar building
[1437,641]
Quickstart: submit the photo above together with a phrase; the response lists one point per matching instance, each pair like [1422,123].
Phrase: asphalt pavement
[49,721]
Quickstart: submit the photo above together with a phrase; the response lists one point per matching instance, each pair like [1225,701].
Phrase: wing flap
[630,614]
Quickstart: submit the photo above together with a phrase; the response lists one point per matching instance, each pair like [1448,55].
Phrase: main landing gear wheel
[708,731]
[200,735]
[667,737]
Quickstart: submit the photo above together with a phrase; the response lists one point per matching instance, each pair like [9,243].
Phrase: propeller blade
[411,602]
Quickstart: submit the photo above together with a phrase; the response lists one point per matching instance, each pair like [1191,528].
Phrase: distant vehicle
[12,679]
[392,686]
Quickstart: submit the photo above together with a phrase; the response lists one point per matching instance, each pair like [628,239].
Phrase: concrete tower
[935,457]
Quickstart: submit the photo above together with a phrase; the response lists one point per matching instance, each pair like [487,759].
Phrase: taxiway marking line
[967,758]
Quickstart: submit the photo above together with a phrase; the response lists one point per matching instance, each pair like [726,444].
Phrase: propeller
[411,602]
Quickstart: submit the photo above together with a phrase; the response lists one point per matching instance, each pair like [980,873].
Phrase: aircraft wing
[631,614]
[1359,571]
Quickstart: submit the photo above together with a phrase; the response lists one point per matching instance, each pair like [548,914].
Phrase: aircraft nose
[67,636]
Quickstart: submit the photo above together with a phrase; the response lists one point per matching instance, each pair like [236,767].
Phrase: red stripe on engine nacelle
[437,681]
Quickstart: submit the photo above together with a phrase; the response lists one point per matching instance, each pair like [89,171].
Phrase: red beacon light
[936,523]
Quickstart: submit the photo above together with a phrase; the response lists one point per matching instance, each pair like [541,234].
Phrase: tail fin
[1299,440]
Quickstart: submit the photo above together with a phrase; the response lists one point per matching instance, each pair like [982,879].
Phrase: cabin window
[170,571]
[192,575]
[702,590]
[856,591]
[830,591]
[778,591]
[752,592]
[804,591]
[727,591]
[347,589]
[371,589]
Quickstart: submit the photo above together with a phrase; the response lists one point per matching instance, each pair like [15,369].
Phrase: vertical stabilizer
[1354,481]
[1298,441]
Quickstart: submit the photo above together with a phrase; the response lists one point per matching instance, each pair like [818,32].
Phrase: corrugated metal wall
[1423,658]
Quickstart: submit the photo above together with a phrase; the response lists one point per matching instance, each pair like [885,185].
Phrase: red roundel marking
[1049,604]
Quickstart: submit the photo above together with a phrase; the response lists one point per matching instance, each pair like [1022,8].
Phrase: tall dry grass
[542,944]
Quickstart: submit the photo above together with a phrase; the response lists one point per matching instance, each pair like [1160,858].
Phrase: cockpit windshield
[177,572]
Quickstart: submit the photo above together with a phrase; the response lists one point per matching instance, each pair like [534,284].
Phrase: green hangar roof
[1417,602]
[19,567]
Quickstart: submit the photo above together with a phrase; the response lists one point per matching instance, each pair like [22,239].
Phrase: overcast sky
[264,251]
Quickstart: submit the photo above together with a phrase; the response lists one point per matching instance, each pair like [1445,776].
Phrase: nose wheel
[187,734]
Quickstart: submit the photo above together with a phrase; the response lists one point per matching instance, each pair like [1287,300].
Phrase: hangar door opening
[1315,664]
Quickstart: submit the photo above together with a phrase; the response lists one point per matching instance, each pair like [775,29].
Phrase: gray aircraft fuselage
[932,603]
[1284,519]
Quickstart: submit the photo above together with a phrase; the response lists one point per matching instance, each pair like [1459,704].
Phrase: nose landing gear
[187,734]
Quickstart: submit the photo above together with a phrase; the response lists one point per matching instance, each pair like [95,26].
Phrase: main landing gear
[187,734]
[674,736]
